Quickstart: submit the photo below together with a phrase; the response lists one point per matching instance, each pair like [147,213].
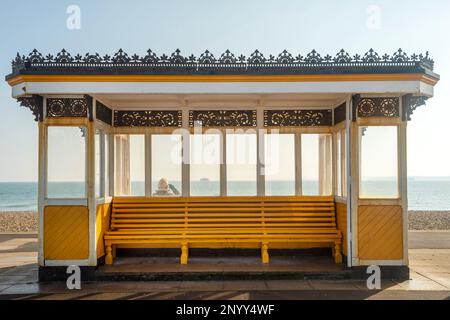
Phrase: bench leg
[265,253]
[338,252]
[184,253]
[114,252]
[109,256]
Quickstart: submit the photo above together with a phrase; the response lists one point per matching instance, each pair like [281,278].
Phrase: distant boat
[204,180]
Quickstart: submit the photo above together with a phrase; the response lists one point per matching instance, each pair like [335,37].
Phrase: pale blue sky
[241,26]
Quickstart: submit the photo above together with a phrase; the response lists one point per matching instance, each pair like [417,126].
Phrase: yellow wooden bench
[231,222]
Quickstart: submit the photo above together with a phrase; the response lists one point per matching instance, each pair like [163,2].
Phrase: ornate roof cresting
[312,62]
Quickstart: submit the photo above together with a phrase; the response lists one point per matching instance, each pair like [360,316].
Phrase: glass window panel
[344,162]
[205,164]
[107,155]
[130,165]
[97,163]
[66,171]
[241,164]
[166,164]
[279,164]
[316,164]
[137,165]
[339,164]
[310,164]
[379,167]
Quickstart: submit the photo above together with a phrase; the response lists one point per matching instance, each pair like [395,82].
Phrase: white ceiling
[145,101]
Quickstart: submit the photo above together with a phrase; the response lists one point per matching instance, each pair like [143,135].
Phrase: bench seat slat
[205,220]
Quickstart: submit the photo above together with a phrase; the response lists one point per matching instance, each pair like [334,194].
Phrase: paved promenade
[429,262]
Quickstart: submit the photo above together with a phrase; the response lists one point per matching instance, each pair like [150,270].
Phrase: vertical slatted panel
[341,214]
[380,232]
[103,222]
[66,233]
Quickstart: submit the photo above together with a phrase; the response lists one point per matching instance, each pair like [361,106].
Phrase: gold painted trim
[223,78]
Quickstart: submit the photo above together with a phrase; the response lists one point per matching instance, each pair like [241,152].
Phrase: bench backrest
[215,213]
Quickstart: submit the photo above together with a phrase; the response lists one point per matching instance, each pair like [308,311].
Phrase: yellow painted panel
[66,233]
[341,215]
[380,233]
[103,223]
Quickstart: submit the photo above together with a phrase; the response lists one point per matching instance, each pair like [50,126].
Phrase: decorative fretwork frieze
[103,113]
[69,107]
[297,118]
[410,103]
[376,107]
[36,104]
[312,62]
[152,118]
[379,107]
[340,113]
[223,118]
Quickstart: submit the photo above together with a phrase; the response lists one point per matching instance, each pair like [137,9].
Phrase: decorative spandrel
[223,118]
[166,118]
[297,118]
[67,107]
[36,104]
[103,113]
[410,103]
[378,107]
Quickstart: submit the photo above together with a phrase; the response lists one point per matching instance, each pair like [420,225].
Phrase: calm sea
[423,193]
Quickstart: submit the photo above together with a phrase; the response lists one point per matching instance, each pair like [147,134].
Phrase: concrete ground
[429,263]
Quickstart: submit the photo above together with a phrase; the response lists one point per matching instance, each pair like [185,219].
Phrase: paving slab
[429,239]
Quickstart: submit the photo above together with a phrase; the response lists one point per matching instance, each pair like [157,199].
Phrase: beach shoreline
[27,221]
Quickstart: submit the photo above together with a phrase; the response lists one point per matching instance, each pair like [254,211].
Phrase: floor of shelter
[430,277]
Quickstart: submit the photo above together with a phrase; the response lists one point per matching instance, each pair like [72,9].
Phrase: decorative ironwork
[340,113]
[285,62]
[410,103]
[36,104]
[223,118]
[103,113]
[355,101]
[67,107]
[148,118]
[90,106]
[297,118]
[378,107]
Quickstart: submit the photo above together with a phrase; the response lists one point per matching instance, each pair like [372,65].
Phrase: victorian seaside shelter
[113,121]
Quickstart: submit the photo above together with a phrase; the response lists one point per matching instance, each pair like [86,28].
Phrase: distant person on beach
[166,189]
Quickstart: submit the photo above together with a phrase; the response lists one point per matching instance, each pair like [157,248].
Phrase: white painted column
[403,184]
[353,187]
[90,192]
[260,175]
[223,164]
[298,165]
[148,165]
[185,168]
[42,187]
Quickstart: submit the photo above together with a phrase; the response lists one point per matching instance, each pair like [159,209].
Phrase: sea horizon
[424,193]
